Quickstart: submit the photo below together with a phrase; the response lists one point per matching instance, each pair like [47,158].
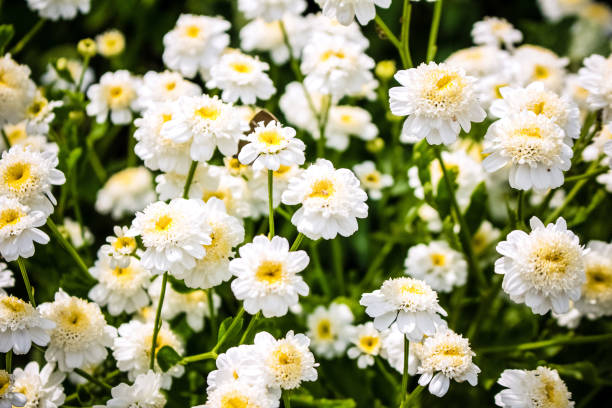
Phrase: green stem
[322,125]
[67,246]
[569,197]
[26,38]
[96,165]
[157,323]
[210,295]
[286,402]
[432,48]
[403,395]
[270,204]
[375,264]
[229,330]
[560,341]
[83,71]
[587,175]
[250,327]
[392,38]
[520,204]
[9,361]
[414,395]
[314,253]
[6,140]
[484,307]
[91,378]
[405,34]
[210,355]
[298,241]
[192,170]
[26,281]
[337,262]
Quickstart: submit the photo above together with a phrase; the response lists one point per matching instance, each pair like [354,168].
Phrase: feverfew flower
[126,192]
[439,101]
[144,393]
[346,121]
[595,78]
[6,278]
[272,145]
[241,76]
[270,10]
[80,336]
[438,265]
[240,394]
[41,387]
[446,356]
[8,396]
[39,114]
[72,231]
[482,61]
[18,229]
[240,364]
[115,93]
[371,179]
[367,343]
[329,329]
[544,269]
[258,188]
[59,9]
[110,43]
[195,43]
[345,11]
[259,35]
[540,64]
[159,87]
[496,31]
[596,299]
[120,247]
[267,276]
[331,201]
[410,302]
[21,325]
[541,387]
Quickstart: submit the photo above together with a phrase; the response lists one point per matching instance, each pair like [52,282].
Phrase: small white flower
[270,10]
[595,78]
[115,93]
[126,192]
[159,87]
[120,248]
[18,229]
[21,325]
[72,231]
[540,64]
[484,237]
[39,114]
[345,11]
[271,146]
[329,329]
[596,298]
[371,179]
[144,393]
[7,280]
[59,9]
[496,31]
[18,134]
[74,69]
[555,10]
[367,343]
[8,396]
[438,265]
[259,35]
[110,43]
[541,387]
[239,364]
[346,121]
[41,387]
[598,145]
[240,394]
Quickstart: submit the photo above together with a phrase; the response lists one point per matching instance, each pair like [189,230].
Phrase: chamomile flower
[159,87]
[73,68]
[240,364]
[331,199]
[439,101]
[271,146]
[18,135]
[496,31]
[541,387]
[120,247]
[126,192]
[346,11]
[195,43]
[410,302]
[241,76]
[267,276]
[294,104]
[59,9]
[595,76]
[540,64]
[367,343]
[329,329]
[110,43]
[371,179]
[240,394]
[270,10]
[144,393]
[39,114]
[534,148]
[481,61]
[18,229]
[599,143]
[484,237]
[446,356]
[544,269]
[555,10]
[259,35]
[41,387]
[596,298]
[117,93]
[288,361]
[7,280]
[8,396]
[346,121]
[80,336]
[17,91]
[438,265]
[21,325]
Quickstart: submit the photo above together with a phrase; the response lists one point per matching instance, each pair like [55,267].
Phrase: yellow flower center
[324,330]
[369,344]
[170,85]
[537,108]
[192,31]
[599,279]
[123,274]
[10,217]
[535,133]
[322,189]
[241,67]
[115,92]
[411,288]
[346,118]
[332,53]
[540,72]
[234,401]
[73,318]
[208,112]
[445,82]
[125,243]
[36,107]
[5,382]
[270,272]
[14,305]
[221,195]
[373,177]
[17,175]
[497,89]
[282,170]
[270,137]
[163,223]
[166,117]
[438,259]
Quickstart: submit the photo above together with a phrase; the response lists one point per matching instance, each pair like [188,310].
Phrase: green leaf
[477,210]
[581,371]
[167,358]
[73,158]
[443,196]
[584,212]
[310,401]
[235,331]
[6,33]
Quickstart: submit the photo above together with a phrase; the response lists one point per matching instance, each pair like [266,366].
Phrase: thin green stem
[67,246]
[250,327]
[192,170]
[96,164]
[314,253]
[91,378]
[337,262]
[381,366]
[322,125]
[375,264]
[26,38]
[560,341]
[414,395]
[210,355]
[9,361]
[588,175]
[83,71]
[432,48]
[485,305]
[298,241]
[392,38]
[210,297]
[229,330]
[6,140]
[520,204]
[405,34]
[157,323]
[270,204]
[26,280]
[403,395]
[286,402]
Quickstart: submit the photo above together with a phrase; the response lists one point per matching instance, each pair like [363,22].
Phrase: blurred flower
[110,43]
[437,264]
[346,11]
[17,91]
[162,87]
[145,392]
[270,10]
[596,298]
[239,365]
[371,179]
[21,325]
[126,192]
[120,247]
[329,329]
[496,31]
[117,93]
[540,64]
[8,396]
[240,393]
[72,231]
[7,280]
[39,114]
[535,388]
[59,9]
[595,77]
[555,10]
[367,342]
[344,121]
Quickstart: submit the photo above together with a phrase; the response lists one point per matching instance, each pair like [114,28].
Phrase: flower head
[272,145]
[117,93]
[541,387]
[367,343]
[21,325]
[437,264]
[328,329]
[18,229]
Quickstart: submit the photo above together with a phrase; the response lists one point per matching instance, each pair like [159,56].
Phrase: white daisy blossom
[120,248]
[132,350]
[72,231]
[496,31]
[207,123]
[28,176]
[240,394]
[595,77]
[110,43]
[241,76]
[144,393]
[438,265]
[596,299]
[17,91]
[7,280]
[439,100]
[331,199]
[482,61]
[367,343]
[126,192]
[174,234]
[541,387]
[18,229]
[446,356]
[238,364]
[41,387]
[159,87]
[346,11]
[344,121]
[272,145]
[540,64]
[75,68]
[555,10]
[59,9]
[117,93]
[371,179]
[601,142]
[267,276]
[39,114]
[21,325]
[409,302]
[322,24]
[533,146]
[329,329]
[544,269]
[287,362]
[259,35]
[8,396]
[195,43]
[80,336]
[270,10]
[393,350]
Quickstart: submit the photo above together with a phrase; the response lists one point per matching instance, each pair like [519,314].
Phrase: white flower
[446,356]
[540,64]
[18,230]
[41,387]
[597,147]
[21,325]
[331,201]
[393,350]
[59,9]
[482,61]
[439,101]
[132,350]
[19,135]
[267,276]
[241,76]
[238,364]
[287,362]
[297,110]
[207,123]
[115,93]
[367,342]
[544,269]
[595,78]
[72,231]
[329,329]
[410,302]
[8,396]
[259,35]
[144,393]
[270,10]
[80,336]
[541,387]
[371,179]
[39,114]
[438,265]
[555,10]
[240,394]
[596,299]
[271,146]
[173,234]
[345,11]
[28,176]
[110,43]
[533,146]
[6,278]
[496,31]
[74,69]
[484,237]
[196,42]
[344,121]
[159,87]
[322,24]
[126,192]
[120,247]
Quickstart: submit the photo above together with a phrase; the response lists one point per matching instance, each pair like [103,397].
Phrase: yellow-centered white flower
[120,247]
[329,329]
[371,179]
[496,31]
[21,325]
[126,192]
[144,393]
[41,387]
[18,229]
[117,93]
[270,10]
[367,344]
[346,10]
[595,77]
[537,388]
[17,90]
[272,145]
[438,265]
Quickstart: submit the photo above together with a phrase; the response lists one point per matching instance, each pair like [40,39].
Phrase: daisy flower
[8,396]
[21,325]
[541,387]
[17,91]
[240,394]
[410,302]
[267,276]
[18,229]
[438,265]
[540,64]
[272,145]
[346,11]
[72,231]
[371,179]
[74,68]
[145,393]
[496,31]
[392,350]
[259,35]
[597,147]
[346,121]
[555,10]
[270,10]
[329,329]
[41,387]
[59,9]
[117,93]
[120,248]
[159,87]
[39,114]
[110,43]
[238,364]
[439,100]
[6,278]
[595,76]
[544,269]
[481,61]
[367,343]
[126,192]
[596,298]
[331,199]
[80,336]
